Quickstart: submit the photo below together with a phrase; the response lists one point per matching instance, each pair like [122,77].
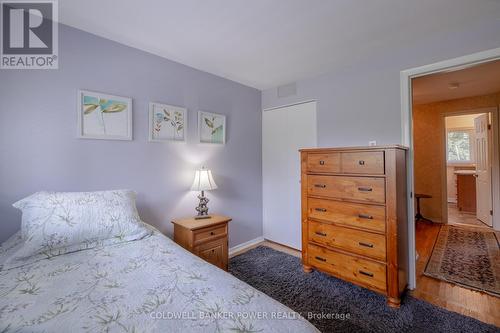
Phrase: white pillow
[55,223]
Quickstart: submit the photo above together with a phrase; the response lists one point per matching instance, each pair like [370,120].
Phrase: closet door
[284,131]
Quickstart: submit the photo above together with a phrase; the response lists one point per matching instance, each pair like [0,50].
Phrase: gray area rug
[467,257]
[351,308]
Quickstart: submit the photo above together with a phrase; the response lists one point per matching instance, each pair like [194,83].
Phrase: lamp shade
[203,181]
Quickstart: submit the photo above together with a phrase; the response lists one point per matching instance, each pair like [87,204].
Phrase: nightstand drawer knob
[212,233]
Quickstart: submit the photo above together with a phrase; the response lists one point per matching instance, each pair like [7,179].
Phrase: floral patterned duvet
[147,285]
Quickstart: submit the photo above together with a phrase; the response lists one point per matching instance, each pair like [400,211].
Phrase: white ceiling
[266,43]
[474,81]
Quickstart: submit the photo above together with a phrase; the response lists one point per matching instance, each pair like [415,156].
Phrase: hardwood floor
[481,306]
[469,219]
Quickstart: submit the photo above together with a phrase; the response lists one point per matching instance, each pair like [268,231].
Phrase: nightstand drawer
[206,238]
[208,234]
[213,252]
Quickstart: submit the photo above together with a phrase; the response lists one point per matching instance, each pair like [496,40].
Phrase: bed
[148,284]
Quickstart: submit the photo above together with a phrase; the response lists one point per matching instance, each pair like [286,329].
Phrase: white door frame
[406,138]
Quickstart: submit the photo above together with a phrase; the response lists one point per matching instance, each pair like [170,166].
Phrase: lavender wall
[361,100]
[39,149]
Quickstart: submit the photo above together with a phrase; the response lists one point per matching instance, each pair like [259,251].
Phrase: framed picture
[211,127]
[103,116]
[167,123]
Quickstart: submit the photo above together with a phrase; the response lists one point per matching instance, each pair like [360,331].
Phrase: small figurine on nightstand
[202,208]
[203,181]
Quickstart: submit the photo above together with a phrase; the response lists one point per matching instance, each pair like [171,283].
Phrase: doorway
[406,77]
[285,130]
[468,155]
[458,297]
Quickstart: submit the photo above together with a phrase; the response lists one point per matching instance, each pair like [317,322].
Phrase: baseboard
[244,246]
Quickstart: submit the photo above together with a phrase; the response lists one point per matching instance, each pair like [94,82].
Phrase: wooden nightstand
[205,238]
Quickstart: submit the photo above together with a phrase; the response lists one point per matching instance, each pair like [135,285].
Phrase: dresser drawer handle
[320,209]
[321,162]
[320,185]
[366,244]
[366,273]
[365,216]
[361,162]
[365,189]
[320,259]
[319,233]
[212,233]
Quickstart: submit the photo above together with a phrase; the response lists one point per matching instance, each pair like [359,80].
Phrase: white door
[483,169]
[285,131]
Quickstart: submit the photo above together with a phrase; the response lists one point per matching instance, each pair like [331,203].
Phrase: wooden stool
[419,216]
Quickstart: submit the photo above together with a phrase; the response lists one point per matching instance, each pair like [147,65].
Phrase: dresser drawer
[214,252]
[368,273]
[363,162]
[357,215]
[208,234]
[366,189]
[356,241]
[327,162]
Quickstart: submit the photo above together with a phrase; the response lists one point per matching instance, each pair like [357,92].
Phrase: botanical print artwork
[167,122]
[102,116]
[212,127]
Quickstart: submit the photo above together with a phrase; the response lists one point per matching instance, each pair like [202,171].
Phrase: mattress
[147,285]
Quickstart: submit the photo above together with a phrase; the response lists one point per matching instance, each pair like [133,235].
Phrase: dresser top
[312,150]
[192,224]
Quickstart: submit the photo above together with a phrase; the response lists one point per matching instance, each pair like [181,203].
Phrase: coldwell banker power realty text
[29,37]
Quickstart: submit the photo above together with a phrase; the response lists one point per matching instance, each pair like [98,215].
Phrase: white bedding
[139,286]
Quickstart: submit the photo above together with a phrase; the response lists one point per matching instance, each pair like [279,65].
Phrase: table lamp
[203,181]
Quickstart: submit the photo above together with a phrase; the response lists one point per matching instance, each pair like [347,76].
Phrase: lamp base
[202,208]
[202,217]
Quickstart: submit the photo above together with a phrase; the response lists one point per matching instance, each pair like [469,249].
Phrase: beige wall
[428,129]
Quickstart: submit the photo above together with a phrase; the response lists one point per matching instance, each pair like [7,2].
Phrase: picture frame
[103,116]
[211,128]
[167,123]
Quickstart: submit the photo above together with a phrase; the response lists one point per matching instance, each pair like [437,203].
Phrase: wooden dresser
[354,216]
[206,238]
